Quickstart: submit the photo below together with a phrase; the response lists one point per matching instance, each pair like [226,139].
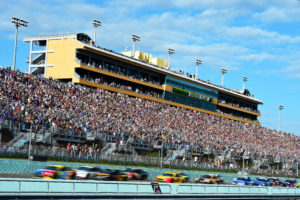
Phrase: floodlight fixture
[280,107]
[224,71]
[245,79]
[96,24]
[134,39]
[198,62]
[170,52]
[18,23]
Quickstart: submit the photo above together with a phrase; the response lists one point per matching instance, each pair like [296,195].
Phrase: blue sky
[253,38]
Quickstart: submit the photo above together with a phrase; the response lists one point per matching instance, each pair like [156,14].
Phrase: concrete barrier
[19,188]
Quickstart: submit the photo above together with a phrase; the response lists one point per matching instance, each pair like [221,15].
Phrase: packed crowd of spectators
[121,85]
[53,104]
[119,70]
[238,106]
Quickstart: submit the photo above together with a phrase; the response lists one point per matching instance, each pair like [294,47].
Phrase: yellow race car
[210,179]
[171,177]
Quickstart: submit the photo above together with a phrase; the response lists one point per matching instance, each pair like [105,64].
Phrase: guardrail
[47,187]
[41,187]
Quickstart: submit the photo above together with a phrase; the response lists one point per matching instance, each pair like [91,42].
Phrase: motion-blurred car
[171,177]
[259,182]
[56,172]
[112,174]
[136,174]
[246,180]
[210,179]
[273,181]
[187,178]
[297,185]
[87,172]
[289,183]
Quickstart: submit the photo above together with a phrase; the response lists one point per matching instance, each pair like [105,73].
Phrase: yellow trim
[168,88]
[121,77]
[239,109]
[84,82]
[164,73]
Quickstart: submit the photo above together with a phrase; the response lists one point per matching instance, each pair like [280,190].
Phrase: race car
[246,180]
[171,177]
[112,174]
[259,182]
[289,183]
[273,181]
[87,172]
[185,176]
[210,179]
[136,174]
[56,172]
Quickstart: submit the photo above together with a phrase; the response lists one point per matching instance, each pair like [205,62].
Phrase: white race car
[87,172]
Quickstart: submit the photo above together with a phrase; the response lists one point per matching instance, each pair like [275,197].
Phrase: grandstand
[88,102]
[73,57]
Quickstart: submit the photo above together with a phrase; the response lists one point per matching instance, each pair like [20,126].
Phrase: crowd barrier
[52,188]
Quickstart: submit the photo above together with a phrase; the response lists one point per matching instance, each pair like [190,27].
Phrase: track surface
[4,175]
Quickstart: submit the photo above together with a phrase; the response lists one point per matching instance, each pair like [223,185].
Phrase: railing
[46,187]
[33,187]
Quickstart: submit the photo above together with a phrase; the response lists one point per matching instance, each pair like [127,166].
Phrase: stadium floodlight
[224,71]
[280,107]
[170,52]
[245,79]
[96,24]
[18,23]
[198,62]
[134,39]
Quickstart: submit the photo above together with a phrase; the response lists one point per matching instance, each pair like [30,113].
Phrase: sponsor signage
[192,94]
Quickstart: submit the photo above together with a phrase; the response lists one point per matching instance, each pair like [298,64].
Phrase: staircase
[172,154]
[108,148]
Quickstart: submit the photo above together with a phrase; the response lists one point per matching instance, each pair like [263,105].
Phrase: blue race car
[260,182]
[242,181]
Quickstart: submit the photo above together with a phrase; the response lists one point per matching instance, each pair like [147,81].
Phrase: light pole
[198,62]
[29,147]
[280,107]
[224,71]
[297,168]
[170,51]
[18,23]
[96,24]
[134,39]
[245,79]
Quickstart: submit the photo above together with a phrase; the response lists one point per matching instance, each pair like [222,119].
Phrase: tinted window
[168,174]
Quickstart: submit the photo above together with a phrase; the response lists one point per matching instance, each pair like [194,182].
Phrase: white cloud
[289,70]
[256,57]
[257,35]
[207,31]
[288,13]
[293,70]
